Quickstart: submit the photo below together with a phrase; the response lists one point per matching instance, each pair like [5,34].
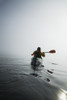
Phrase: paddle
[51,51]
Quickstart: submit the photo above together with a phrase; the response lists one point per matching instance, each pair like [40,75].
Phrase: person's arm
[33,53]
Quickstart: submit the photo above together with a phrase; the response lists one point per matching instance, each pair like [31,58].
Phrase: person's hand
[43,54]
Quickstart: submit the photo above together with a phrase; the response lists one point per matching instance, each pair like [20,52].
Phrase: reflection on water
[59,76]
[62,95]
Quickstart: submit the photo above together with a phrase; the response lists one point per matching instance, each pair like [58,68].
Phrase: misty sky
[27,24]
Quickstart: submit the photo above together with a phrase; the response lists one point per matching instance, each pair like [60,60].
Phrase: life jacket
[37,54]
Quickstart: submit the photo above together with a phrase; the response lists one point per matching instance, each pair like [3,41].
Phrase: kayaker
[38,53]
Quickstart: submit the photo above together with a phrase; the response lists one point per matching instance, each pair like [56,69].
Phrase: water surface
[17,82]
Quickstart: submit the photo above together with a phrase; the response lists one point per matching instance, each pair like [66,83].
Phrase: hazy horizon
[27,24]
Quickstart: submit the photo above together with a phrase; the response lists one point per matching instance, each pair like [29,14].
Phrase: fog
[27,24]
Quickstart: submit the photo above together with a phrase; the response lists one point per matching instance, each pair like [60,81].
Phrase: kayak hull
[36,61]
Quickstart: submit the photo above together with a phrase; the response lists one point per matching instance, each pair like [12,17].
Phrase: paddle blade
[52,51]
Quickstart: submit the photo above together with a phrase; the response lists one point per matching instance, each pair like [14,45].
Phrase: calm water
[16,80]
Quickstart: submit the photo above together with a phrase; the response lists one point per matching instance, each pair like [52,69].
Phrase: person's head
[38,49]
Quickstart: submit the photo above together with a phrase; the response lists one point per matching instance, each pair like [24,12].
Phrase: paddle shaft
[46,52]
[51,51]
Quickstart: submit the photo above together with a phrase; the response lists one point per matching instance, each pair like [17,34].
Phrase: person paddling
[38,53]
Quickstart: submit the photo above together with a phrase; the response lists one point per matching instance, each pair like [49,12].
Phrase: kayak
[36,61]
